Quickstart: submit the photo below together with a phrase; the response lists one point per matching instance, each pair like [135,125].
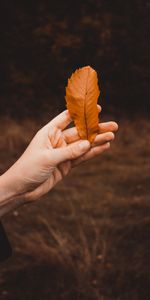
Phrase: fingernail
[84,145]
[112,135]
[108,145]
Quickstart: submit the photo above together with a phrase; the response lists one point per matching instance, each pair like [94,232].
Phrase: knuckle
[51,130]
[73,152]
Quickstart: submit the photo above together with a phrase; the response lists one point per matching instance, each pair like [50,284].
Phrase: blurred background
[89,237]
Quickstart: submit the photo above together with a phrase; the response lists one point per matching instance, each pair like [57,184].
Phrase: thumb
[71,151]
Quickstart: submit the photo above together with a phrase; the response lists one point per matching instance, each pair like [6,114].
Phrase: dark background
[43,42]
[89,238]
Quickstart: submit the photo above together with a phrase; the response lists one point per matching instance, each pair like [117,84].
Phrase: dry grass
[89,237]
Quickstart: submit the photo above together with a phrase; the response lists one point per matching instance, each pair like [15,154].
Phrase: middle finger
[71,134]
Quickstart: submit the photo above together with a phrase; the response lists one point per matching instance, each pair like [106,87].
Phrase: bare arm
[50,156]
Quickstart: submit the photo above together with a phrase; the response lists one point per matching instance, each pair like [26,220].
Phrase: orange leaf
[82,93]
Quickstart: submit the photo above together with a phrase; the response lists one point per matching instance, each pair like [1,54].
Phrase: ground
[89,237]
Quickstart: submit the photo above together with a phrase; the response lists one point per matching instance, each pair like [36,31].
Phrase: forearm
[9,199]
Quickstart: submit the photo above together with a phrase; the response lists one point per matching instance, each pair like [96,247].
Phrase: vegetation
[45,41]
[89,237]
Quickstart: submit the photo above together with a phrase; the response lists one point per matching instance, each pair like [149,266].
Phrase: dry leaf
[82,94]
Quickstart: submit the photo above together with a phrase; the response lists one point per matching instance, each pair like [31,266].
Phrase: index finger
[61,121]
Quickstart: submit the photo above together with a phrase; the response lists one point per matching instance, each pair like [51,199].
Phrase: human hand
[52,153]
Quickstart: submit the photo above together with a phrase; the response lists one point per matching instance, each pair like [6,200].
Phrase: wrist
[9,198]
[7,187]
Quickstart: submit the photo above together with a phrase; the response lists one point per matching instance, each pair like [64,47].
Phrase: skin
[50,156]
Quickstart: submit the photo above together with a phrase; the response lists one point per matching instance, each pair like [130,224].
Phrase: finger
[108,126]
[61,121]
[72,151]
[71,135]
[99,108]
[64,119]
[93,152]
[103,138]
[64,167]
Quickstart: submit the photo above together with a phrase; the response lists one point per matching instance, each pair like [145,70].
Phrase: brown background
[43,42]
[87,239]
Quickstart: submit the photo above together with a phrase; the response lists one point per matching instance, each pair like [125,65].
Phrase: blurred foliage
[43,42]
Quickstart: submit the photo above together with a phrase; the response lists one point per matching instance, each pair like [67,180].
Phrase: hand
[51,155]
